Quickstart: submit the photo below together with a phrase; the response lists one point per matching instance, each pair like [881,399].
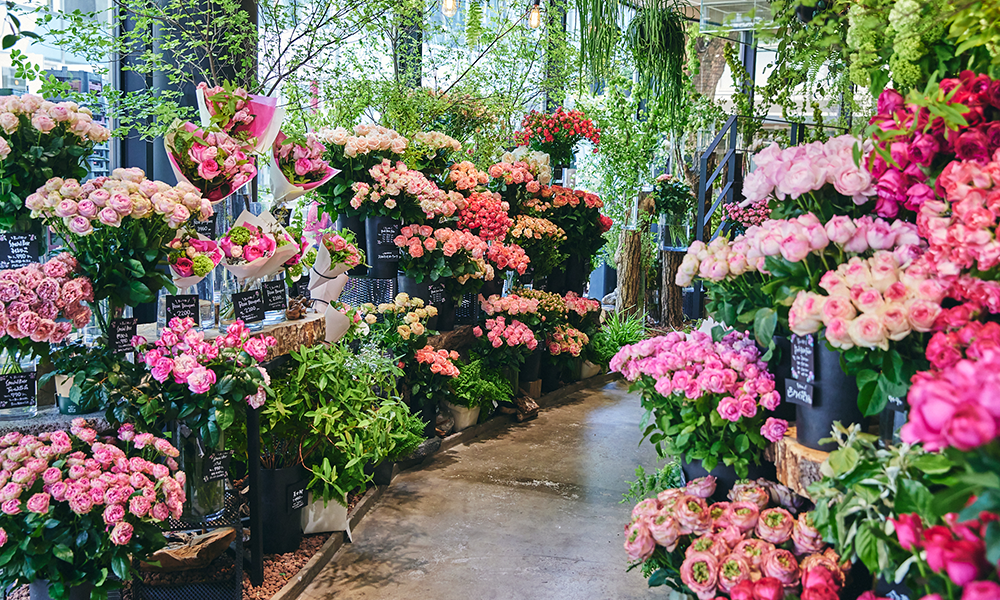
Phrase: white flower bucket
[320,518]
[464,417]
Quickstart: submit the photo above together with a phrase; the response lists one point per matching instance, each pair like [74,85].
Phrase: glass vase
[204,309]
[21,390]
[227,310]
[203,500]
[276,282]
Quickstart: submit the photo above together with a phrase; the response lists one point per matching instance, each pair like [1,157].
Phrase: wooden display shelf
[797,465]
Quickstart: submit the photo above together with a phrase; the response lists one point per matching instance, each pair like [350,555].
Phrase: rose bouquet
[428,374]
[256,247]
[191,257]
[465,177]
[78,508]
[40,304]
[430,151]
[742,217]
[41,139]
[710,400]
[403,327]
[513,307]
[486,215]
[508,257]
[353,156]
[558,133]
[513,181]
[253,120]
[541,240]
[402,193]
[209,159]
[456,258]
[504,343]
[297,166]
[117,228]
[551,309]
[336,255]
[538,163]
[298,264]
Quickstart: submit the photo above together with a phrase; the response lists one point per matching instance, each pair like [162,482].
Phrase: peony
[639,542]
[693,515]
[664,530]
[742,515]
[781,565]
[700,572]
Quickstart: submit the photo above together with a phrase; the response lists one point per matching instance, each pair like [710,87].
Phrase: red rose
[742,591]
[908,530]
[768,588]
[819,593]
[964,561]
[972,145]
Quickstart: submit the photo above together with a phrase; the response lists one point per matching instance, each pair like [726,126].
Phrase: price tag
[18,250]
[183,306]
[803,358]
[301,288]
[275,296]
[217,465]
[17,389]
[798,392]
[898,404]
[249,306]
[122,332]
[295,496]
[385,242]
[207,228]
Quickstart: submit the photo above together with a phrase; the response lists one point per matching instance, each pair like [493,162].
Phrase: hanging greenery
[656,40]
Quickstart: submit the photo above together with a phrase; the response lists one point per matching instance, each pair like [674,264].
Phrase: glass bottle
[227,311]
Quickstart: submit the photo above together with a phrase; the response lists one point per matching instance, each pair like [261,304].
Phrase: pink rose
[201,380]
[114,513]
[700,572]
[121,534]
[775,526]
[774,429]
[38,503]
[781,565]
[109,217]
[639,543]
[703,487]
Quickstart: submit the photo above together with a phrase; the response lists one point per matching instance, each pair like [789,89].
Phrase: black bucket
[446,314]
[283,530]
[532,367]
[781,366]
[383,254]
[408,285]
[725,477]
[355,225]
[576,275]
[835,398]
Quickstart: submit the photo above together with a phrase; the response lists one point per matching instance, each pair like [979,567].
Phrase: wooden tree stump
[630,272]
[671,295]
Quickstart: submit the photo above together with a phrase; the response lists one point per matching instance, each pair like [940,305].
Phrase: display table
[797,465]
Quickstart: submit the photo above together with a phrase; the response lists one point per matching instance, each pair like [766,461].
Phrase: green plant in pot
[674,199]
[477,386]
[85,376]
[620,328]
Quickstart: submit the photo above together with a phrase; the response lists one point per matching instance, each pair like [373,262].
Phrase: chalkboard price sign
[217,465]
[249,306]
[17,389]
[296,496]
[798,392]
[898,404]
[207,228]
[183,306]
[803,358]
[18,250]
[122,332]
[386,247]
[275,296]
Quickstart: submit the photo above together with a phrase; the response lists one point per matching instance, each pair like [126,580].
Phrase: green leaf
[63,552]
[913,497]
[843,460]
[933,464]
[120,567]
[658,578]
[764,323]
[742,443]
[866,547]
[992,539]
[867,392]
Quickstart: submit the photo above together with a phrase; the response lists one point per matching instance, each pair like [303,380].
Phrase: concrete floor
[531,512]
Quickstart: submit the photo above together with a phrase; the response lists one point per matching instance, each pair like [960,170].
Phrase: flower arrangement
[464,176]
[584,313]
[541,240]
[253,120]
[247,243]
[577,213]
[486,215]
[77,508]
[508,257]
[343,248]
[922,133]
[551,309]
[298,165]
[723,389]
[558,133]
[353,155]
[566,340]
[743,217]
[39,138]
[429,374]
[404,324]
[730,548]
[118,228]
[297,265]
[192,257]
[456,258]
[403,193]
[504,343]
[209,159]
[538,163]
[40,304]
[430,151]
[512,307]
[672,196]
[511,173]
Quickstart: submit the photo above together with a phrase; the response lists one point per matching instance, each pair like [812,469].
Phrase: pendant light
[535,17]
[449,8]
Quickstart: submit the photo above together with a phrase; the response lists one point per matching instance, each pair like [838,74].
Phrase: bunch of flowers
[558,133]
[56,485]
[41,303]
[430,151]
[584,313]
[432,141]
[744,217]
[732,548]
[404,321]
[359,317]
[803,170]
[566,340]
[723,387]
[868,304]
[118,228]
[402,193]
[367,139]
[342,248]
[464,176]
[512,306]
[247,243]
[190,255]
[486,215]
[538,163]
[511,173]
[300,159]
[353,156]
[439,362]
[508,257]
[210,160]
[456,258]
[38,135]
[253,120]
[577,213]
[917,140]
[551,308]
[429,374]
[506,342]
[541,240]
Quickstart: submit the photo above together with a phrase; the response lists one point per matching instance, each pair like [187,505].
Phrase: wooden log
[671,295]
[797,465]
[630,272]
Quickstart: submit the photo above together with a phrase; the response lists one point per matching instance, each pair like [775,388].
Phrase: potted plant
[476,387]
[541,240]
[673,199]
[79,509]
[708,401]
[428,374]
[85,376]
[197,390]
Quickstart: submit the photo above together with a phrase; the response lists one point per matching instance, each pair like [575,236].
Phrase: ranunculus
[750,492]
[692,515]
[700,573]
[775,525]
[806,539]
[781,565]
[703,487]
[639,543]
[732,570]
[664,530]
[121,534]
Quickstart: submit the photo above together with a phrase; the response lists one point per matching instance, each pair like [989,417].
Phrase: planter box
[320,518]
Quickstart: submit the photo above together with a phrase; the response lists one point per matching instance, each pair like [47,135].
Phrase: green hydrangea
[202,265]
[240,235]
[310,258]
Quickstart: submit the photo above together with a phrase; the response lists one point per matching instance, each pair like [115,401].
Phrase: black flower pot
[409,285]
[556,280]
[550,374]
[576,275]
[835,398]
[381,473]
[283,531]
[383,254]
[446,314]
[725,477]
[39,590]
[781,366]
[532,367]
[490,288]
[355,225]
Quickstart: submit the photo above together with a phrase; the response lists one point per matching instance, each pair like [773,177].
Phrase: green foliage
[478,386]
[648,485]
[96,371]
[655,38]
[619,329]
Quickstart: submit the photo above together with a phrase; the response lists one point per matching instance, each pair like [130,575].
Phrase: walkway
[531,512]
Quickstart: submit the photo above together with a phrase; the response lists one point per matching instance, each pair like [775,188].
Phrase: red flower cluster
[605,223]
[508,256]
[563,127]
[914,153]
[486,216]
[957,549]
